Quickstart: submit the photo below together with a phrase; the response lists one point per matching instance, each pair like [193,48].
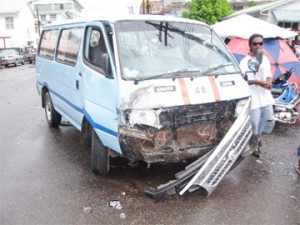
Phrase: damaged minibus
[147,88]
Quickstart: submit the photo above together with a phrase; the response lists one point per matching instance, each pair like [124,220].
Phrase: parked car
[1,61]
[29,56]
[11,57]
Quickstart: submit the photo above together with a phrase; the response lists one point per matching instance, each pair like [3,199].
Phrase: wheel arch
[86,131]
[44,91]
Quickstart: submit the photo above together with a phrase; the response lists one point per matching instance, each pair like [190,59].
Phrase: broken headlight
[243,106]
[145,116]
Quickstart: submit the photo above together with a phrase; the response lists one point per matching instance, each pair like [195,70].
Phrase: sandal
[297,168]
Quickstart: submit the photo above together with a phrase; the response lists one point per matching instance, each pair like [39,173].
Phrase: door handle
[77,84]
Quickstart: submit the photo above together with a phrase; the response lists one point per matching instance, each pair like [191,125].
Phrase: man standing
[260,81]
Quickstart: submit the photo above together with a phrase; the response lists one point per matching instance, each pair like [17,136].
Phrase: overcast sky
[90,4]
[109,6]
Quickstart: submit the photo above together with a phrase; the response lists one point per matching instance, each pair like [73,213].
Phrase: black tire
[53,118]
[100,161]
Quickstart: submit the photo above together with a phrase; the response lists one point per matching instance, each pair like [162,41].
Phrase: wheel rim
[48,110]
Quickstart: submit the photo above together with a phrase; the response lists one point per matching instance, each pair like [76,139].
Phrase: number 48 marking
[200,90]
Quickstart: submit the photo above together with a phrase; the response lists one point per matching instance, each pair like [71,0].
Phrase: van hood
[157,93]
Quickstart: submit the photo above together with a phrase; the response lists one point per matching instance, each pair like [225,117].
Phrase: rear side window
[69,44]
[48,43]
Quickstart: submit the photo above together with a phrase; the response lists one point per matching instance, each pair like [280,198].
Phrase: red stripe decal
[215,88]
[184,91]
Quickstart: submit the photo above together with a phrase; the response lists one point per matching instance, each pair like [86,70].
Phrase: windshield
[151,49]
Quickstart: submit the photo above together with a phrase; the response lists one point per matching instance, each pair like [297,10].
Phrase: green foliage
[250,4]
[208,11]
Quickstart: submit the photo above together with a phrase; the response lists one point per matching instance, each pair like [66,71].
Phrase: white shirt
[260,96]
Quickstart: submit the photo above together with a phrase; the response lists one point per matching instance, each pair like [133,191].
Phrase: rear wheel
[99,156]
[53,118]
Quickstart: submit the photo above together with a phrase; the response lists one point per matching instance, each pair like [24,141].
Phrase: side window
[97,49]
[48,43]
[69,44]
[96,54]
[9,23]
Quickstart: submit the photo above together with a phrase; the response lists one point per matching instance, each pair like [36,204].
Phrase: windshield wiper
[179,72]
[215,67]
[172,74]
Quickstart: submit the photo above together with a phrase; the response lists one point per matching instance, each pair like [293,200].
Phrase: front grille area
[186,132]
[177,116]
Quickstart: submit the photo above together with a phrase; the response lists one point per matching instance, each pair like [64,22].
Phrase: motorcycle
[287,100]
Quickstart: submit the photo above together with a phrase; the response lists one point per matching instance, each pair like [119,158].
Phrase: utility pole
[147,6]
[38,20]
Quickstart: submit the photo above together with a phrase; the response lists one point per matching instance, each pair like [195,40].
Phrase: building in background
[48,11]
[153,7]
[284,13]
[22,21]
[111,8]
[176,7]
[244,4]
[16,25]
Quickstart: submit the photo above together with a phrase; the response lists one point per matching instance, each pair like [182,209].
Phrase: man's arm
[263,84]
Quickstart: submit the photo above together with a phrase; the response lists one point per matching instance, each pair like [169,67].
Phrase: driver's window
[97,49]
[96,53]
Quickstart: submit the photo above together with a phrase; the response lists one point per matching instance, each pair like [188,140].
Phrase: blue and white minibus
[147,88]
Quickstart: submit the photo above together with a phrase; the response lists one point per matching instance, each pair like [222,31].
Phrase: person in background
[260,82]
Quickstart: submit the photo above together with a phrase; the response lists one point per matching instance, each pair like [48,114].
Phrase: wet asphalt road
[45,176]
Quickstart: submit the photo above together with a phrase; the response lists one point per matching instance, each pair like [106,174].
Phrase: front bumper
[208,171]
[9,62]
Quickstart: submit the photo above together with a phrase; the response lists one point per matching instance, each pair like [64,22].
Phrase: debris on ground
[87,209]
[115,204]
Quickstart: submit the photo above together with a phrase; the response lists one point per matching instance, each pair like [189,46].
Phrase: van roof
[114,18]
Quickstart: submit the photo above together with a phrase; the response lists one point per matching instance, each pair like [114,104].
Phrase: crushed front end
[175,134]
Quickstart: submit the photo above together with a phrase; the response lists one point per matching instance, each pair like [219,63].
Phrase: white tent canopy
[243,26]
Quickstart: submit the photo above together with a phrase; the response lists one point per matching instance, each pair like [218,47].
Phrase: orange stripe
[215,88]
[184,91]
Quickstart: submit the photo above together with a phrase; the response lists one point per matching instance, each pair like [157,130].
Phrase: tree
[208,11]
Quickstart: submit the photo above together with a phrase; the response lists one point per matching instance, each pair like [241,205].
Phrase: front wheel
[99,156]
[53,118]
